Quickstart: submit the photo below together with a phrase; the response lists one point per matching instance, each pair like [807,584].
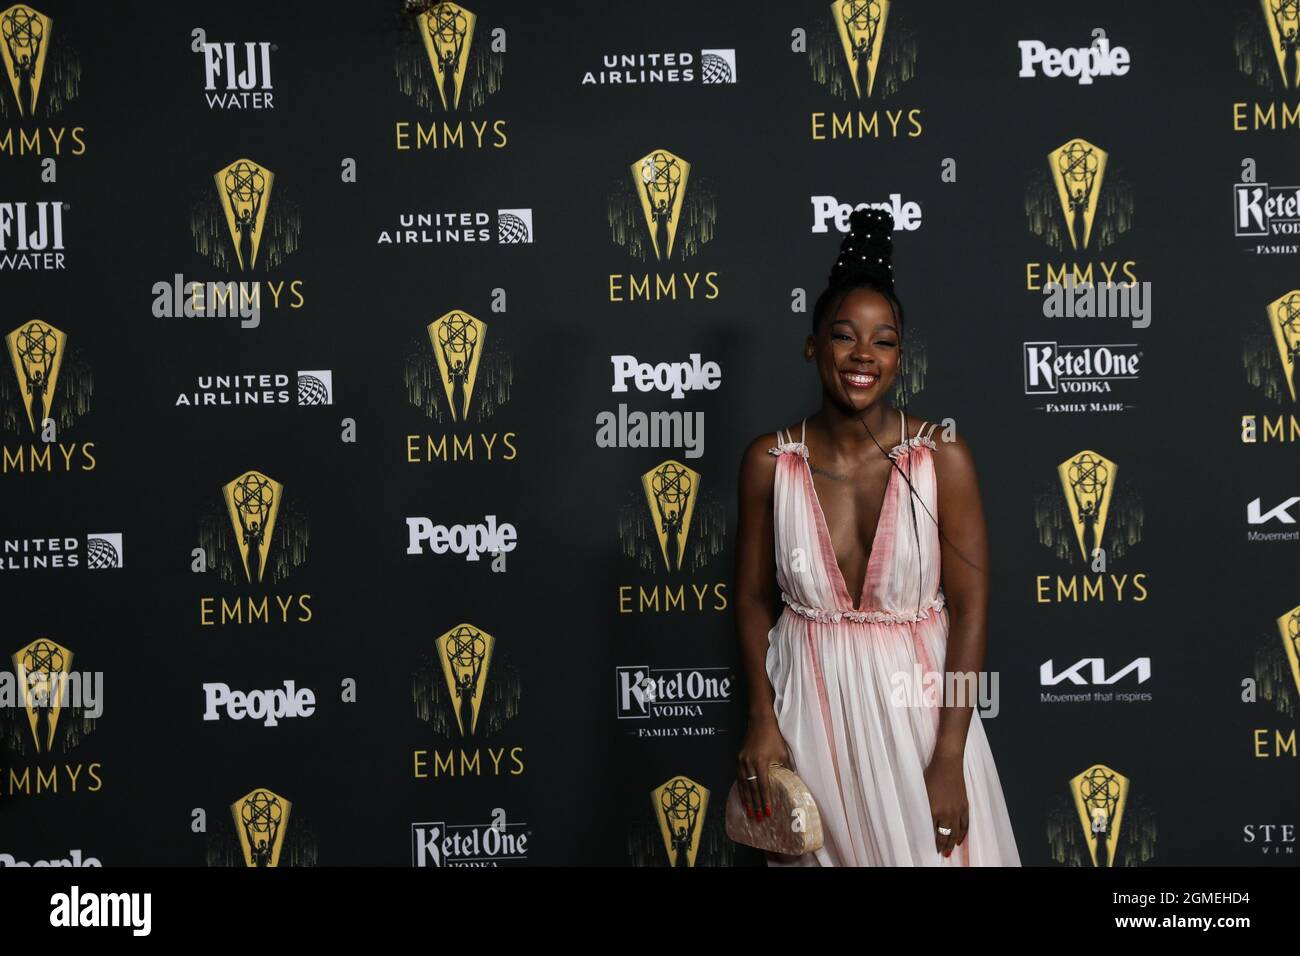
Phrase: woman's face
[857,350]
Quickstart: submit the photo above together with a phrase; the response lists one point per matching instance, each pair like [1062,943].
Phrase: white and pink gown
[861,751]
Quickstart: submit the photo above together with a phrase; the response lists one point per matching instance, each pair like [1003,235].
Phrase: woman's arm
[964,562]
[755,603]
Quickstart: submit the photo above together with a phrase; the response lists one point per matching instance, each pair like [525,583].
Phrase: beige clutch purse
[795,826]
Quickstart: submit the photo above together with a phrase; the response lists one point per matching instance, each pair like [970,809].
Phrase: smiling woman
[896,783]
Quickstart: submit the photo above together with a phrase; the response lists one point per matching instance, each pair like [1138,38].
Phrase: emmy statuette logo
[261,818]
[447,30]
[671,489]
[1078,168]
[24,42]
[253,500]
[465,652]
[458,340]
[1087,480]
[36,350]
[680,806]
[244,190]
[861,29]
[660,178]
[1100,795]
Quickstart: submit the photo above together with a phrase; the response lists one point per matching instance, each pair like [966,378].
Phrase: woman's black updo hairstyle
[865,261]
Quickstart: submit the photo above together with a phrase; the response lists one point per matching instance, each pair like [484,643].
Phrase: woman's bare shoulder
[952,453]
[759,458]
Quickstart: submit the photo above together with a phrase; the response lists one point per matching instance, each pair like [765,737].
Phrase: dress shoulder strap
[803,430]
[902,426]
[929,432]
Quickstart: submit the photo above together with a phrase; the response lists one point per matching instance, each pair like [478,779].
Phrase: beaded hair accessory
[868,248]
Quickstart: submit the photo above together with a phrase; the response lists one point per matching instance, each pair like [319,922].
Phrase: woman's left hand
[946,786]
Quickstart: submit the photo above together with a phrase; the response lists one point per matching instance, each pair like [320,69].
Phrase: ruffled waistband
[828,615]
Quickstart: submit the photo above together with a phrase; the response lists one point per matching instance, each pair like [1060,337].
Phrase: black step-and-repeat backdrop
[376,375]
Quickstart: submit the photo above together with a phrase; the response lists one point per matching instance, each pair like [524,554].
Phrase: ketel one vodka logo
[253,500]
[42,669]
[680,806]
[671,490]
[244,191]
[1099,796]
[36,350]
[1288,626]
[38,355]
[458,340]
[261,818]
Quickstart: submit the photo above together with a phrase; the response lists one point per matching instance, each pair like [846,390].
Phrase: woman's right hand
[763,747]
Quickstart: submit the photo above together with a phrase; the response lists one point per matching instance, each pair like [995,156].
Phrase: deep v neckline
[825,531]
